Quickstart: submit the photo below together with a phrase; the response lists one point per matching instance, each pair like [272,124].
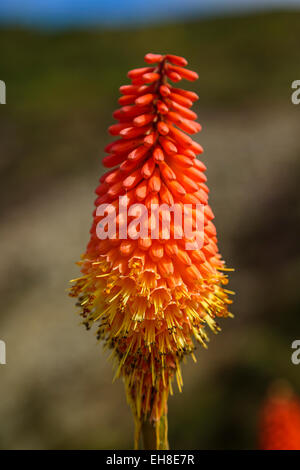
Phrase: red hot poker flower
[152,296]
[280,422]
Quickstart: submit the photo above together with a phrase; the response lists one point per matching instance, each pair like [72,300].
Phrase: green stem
[155,435]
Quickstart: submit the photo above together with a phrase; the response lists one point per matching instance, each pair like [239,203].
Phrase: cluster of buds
[152,298]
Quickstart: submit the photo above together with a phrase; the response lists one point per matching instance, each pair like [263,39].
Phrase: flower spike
[153,295]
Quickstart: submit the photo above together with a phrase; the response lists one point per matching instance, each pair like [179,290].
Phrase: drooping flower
[152,297]
[280,421]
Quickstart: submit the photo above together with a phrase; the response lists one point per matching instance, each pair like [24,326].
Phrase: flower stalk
[155,435]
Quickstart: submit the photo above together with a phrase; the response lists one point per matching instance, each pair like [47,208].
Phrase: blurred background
[62,63]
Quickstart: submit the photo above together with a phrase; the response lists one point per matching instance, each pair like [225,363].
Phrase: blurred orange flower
[280,422]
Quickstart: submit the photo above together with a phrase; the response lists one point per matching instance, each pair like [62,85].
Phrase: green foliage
[239,59]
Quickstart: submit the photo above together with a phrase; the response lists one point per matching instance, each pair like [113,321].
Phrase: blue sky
[82,12]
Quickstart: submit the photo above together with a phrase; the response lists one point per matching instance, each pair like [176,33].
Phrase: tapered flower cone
[153,296]
[280,421]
